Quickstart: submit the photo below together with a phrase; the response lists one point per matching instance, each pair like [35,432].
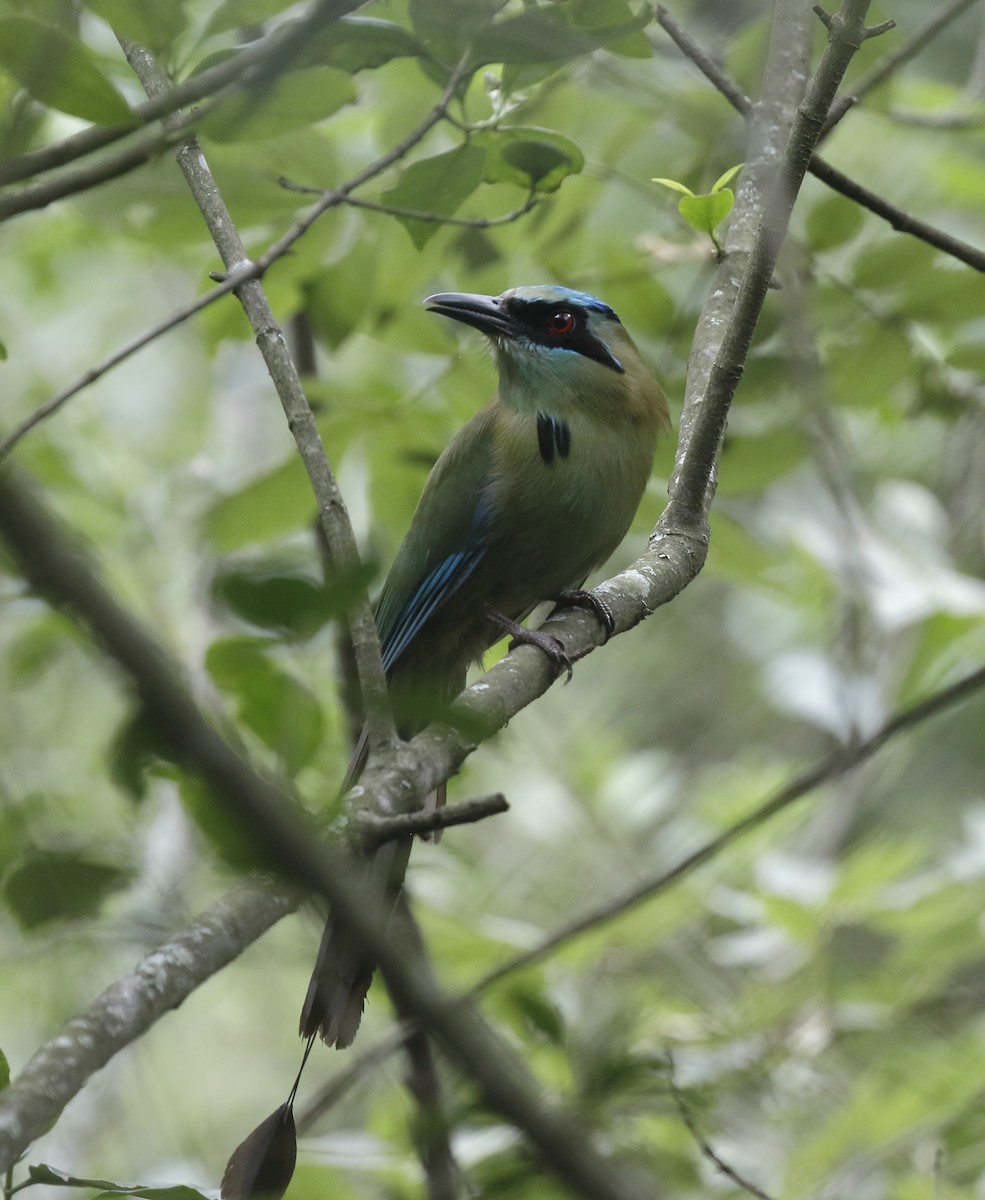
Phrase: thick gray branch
[128,1008]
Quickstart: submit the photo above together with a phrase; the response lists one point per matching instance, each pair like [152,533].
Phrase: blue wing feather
[446,542]
[446,578]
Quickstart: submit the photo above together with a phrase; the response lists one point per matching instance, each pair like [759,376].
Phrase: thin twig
[375,830]
[247,68]
[122,353]
[827,771]
[272,344]
[901,221]
[704,1146]
[893,61]
[413,214]
[837,764]
[243,273]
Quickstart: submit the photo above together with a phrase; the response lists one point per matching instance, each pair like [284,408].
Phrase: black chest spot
[553,438]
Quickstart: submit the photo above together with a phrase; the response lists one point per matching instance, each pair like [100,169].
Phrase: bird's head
[562,347]
[546,323]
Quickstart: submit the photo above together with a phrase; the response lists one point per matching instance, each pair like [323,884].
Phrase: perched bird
[531,495]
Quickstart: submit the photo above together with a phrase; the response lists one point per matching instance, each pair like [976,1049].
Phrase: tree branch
[375,829]
[339,537]
[703,1145]
[901,221]
[128,1008]
[830,769]
[893,61]
[248,68]
[57,569]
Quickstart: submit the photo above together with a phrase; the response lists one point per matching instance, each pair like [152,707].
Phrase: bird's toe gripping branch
[547,643]
[576,598]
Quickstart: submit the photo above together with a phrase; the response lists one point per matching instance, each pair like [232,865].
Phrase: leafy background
[817,989]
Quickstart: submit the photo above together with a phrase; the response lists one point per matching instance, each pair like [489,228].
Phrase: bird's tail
[344,970]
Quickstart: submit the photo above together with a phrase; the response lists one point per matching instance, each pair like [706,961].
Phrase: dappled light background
[815,993]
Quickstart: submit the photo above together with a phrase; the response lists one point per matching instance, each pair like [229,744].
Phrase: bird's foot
[576,598]
[547,643]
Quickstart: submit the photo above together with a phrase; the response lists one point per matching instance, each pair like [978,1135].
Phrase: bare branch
[706,1149]
[894,60]
[58,570]
[339,537]
[711,378]
[375,829]
[249,67]
[834,767]
[244,272]
[128,1008]
[901,221]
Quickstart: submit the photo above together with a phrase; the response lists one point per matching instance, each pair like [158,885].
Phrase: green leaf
[292,101]
[4,1071]
[155,26]
[277,503]
[362,43]
[534,36]
[59,886]
[437,185]
[238,14]
[42,1173]
[542,35]
[289,604]
[674,184]
[448,27]
[529,157]
[55,68]
[726,177]
[705,213]
[281,711]
[832,222]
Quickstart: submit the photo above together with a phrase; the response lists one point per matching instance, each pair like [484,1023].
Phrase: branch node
[823,16]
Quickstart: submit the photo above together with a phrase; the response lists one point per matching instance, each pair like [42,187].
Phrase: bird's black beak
[481,312]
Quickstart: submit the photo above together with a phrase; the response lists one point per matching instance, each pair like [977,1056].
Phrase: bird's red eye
[560,322]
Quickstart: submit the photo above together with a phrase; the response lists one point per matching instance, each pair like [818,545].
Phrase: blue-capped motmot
[531,495]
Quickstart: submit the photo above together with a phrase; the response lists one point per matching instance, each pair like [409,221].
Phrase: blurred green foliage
[820,986]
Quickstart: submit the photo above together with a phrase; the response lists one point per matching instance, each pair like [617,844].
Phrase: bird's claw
[576,598]
[548,644]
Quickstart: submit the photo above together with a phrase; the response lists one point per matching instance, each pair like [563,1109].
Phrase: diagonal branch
[894,60]
[900,220]
[58,570]
[835,766]
[249,67]
[245,270]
